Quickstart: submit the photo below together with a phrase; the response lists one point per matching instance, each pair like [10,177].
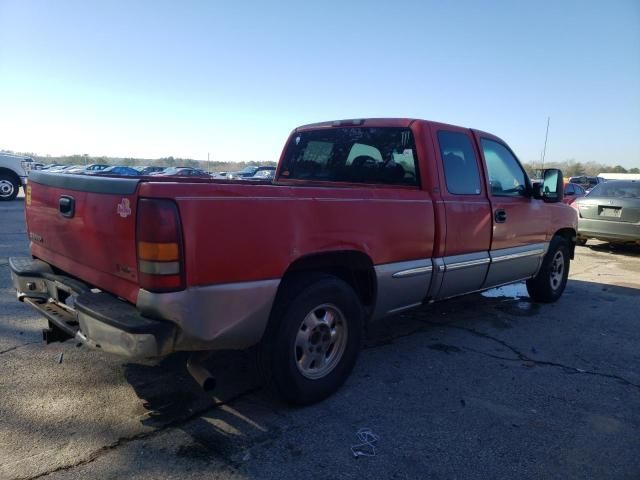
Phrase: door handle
[67,206]
[500,216]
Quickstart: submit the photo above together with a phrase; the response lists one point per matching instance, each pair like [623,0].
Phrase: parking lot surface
[483,386]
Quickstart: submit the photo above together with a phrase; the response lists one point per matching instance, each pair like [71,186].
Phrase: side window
[506,177]
[568,189]
[460,163]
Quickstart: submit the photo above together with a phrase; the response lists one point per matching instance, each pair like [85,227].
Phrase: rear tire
[547,286]
[581,241]
[317,338]
[9,187]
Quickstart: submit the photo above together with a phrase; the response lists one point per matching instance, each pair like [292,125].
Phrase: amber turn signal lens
[164,252]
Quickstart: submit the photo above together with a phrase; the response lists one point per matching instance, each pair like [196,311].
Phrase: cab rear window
[352,154]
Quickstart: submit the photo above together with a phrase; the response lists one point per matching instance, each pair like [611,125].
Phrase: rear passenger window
[352,154]
[506,177]
[460,163]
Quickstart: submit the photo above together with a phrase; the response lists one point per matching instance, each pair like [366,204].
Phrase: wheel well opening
[569,234]
[354,268]
[14,176]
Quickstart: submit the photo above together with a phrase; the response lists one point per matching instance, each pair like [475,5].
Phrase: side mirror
[552,188]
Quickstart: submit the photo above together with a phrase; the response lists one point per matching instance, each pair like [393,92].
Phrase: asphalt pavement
[484,386]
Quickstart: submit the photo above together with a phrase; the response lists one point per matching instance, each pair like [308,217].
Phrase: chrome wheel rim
[6,188]
[557,270]
[320,341]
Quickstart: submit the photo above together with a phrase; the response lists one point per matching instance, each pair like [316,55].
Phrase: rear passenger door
[463,267]
[519,223]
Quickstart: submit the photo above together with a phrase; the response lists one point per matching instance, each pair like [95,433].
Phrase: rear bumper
[215,317]
[96,319]
[608,230]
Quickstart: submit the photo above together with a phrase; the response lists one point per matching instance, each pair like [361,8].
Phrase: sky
[152,79]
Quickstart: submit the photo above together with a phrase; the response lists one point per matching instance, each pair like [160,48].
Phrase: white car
[14,170]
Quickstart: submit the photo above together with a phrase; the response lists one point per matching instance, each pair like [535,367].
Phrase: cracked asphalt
[477,387]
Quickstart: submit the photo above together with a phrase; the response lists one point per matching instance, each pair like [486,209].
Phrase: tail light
[160,252]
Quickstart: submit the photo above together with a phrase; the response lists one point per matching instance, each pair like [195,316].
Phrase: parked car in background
[96,167]
[572,191]
[49,166]
[149,170]
[261,175]
[62,168]
[610,212]
[182,172]
[249,171]
[92,168]
[14,170]
[117,170]
[586,182]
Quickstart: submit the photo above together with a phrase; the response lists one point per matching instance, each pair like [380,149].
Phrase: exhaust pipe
[199,372]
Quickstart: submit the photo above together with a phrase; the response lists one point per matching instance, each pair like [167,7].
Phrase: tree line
[572,168]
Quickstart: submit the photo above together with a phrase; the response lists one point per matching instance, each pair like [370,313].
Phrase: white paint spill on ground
[515,291]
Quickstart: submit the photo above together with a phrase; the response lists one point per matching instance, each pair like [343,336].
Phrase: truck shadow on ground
[243,415]
[171,395]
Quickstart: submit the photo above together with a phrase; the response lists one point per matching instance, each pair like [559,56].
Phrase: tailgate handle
[67,206]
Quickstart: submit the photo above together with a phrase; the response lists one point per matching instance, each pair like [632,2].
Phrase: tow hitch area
[54,334]
[97,319]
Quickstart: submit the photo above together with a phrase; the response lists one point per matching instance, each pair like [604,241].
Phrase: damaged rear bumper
[96,319]
[230,316]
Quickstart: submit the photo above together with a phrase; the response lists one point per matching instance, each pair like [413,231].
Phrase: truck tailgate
[85,226]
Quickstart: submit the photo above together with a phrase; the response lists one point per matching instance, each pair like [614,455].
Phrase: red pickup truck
[364,219]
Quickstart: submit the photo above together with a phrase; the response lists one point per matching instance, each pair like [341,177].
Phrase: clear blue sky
[155,78]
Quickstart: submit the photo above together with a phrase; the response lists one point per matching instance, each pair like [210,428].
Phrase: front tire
[318,339]
[547,286]
[9,187]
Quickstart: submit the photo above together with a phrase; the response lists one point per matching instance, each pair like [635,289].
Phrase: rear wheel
[547,286]
[9,187]
[318,339]
[581,241]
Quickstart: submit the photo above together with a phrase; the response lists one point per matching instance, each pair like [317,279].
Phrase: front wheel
[317,341]
[547,286]
[9,187]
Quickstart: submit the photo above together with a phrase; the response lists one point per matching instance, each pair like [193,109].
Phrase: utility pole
[546,135]
[208,164]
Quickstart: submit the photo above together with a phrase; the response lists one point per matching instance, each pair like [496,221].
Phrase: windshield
[616,190]
[250,169]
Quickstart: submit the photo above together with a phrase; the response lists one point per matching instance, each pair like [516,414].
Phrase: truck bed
[232,232]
